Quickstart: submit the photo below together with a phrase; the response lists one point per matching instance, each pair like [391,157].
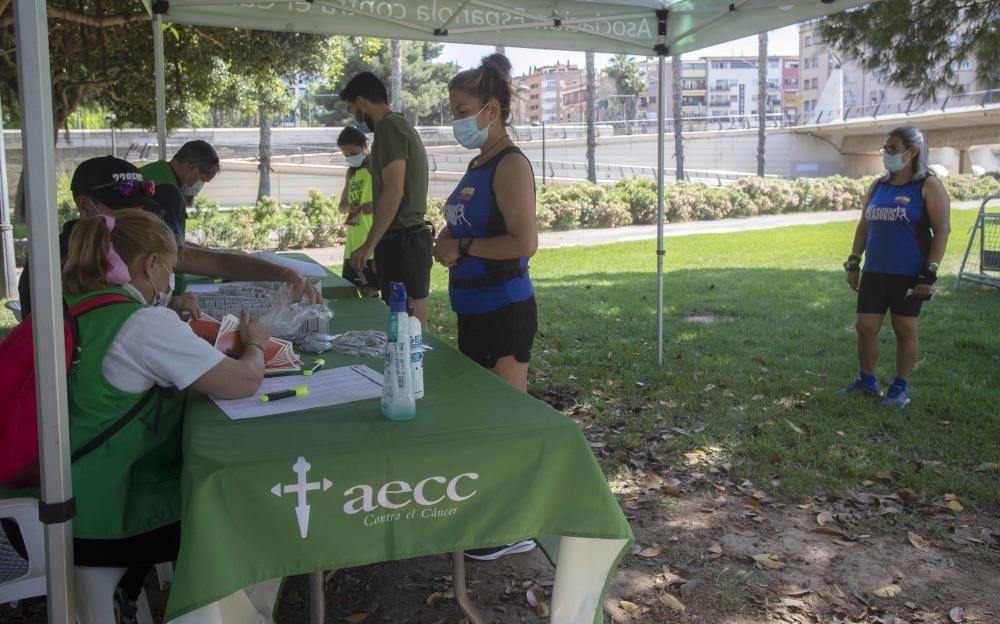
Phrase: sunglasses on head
[130,188]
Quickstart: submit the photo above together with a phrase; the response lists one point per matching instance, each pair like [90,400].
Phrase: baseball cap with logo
[114,182]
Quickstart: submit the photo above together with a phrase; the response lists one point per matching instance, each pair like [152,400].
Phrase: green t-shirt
[396,139]
[159,171]
[359,193]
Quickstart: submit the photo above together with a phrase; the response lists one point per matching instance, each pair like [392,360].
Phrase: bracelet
[258,345]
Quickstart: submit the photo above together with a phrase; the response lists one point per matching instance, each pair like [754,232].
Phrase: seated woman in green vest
[128,490]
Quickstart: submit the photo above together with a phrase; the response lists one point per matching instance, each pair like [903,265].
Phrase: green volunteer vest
[131,483]
[159,171]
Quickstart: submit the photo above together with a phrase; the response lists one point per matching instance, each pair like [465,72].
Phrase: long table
[482,464]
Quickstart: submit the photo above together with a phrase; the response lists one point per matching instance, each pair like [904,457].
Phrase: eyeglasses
[892,150]
[130,188]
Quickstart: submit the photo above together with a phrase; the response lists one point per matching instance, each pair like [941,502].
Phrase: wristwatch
[463,246]
[934,266]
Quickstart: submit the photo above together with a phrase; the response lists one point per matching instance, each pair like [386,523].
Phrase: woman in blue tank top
[490,235]
[491,230]
[903,233]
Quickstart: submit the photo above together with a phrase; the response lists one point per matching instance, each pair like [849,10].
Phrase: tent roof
[616,26]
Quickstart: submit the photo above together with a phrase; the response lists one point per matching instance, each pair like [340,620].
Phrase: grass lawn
[755,389]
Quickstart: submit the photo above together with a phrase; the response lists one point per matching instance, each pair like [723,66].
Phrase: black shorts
[366,278]
[485,338]
[406,258]
[879,292]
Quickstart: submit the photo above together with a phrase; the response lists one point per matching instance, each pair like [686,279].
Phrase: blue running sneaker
[897,397]
[862,388]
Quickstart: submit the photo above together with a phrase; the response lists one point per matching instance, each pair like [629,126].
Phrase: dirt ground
[711,548]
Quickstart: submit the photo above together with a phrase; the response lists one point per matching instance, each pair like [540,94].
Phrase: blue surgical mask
[468,133]
[893,162]
[360,123]
[355,161]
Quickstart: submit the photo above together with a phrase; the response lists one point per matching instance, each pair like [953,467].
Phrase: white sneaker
[491,554]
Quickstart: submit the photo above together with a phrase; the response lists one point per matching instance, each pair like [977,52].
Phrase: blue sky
[784,41]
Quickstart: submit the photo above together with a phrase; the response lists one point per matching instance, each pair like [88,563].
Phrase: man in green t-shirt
[399,238]
[195,164]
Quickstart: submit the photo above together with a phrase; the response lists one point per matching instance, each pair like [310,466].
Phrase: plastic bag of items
[370,343]
[293,319]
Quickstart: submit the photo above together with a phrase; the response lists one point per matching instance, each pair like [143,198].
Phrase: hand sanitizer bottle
[417,357]
[397,385]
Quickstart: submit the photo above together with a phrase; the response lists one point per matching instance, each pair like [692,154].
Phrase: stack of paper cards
[225,336]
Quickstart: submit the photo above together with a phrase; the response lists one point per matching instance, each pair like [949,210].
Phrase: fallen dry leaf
[433,598]
[671,487]
[542,609]
[954,505]
[795,591]
[769,560]
[357,617]
[888,591]
[652,551]
[794,427]
[887,475]
[715,549]
[824,517]
[956,614]
[629,607]
[916,540]
[535,595]
[651,481]
[669,578]
[672,602]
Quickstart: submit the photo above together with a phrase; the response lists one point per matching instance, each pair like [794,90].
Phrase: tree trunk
[396,76]
[589,114]
[761,101]
[264,153]
[676,92]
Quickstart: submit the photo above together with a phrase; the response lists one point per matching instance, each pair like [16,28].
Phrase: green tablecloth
[482,464]
[332,286]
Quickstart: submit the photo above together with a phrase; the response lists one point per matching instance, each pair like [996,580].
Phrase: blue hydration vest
[899,232]
[477,285]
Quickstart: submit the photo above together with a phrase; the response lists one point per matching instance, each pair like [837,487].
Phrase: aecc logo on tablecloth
[386,503]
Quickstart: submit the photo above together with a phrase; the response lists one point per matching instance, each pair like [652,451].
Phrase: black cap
[96,177]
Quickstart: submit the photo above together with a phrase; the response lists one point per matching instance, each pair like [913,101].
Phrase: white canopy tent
[640,27]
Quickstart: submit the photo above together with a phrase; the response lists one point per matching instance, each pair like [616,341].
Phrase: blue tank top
[477,285]
[899,232]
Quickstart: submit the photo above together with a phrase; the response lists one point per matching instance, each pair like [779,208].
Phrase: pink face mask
[117,270]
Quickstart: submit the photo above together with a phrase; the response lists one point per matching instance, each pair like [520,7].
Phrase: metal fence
[874,110]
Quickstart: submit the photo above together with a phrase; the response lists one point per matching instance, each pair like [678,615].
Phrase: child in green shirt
[356,201]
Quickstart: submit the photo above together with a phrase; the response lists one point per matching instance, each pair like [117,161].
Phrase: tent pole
[161,88]
[38,145]
[660,158]
[8,270]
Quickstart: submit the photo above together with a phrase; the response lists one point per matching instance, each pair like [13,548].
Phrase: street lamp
[111,118]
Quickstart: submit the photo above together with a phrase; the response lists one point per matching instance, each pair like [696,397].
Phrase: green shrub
[209,225]
[968,187]
[435,213]
[639,197]
[241,229]
[266,218]
[293,228]
[325,221]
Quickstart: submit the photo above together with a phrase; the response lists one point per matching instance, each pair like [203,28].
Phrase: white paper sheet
[205,289]
[305,269]
[333,386]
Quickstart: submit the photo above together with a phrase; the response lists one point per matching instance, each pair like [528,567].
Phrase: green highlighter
[284,394]
[318,364]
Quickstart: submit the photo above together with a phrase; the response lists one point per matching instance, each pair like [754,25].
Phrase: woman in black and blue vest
[903,233]
[491,229]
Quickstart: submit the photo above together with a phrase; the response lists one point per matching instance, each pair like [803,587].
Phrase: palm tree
[677,92]
[591,129]
[396,76]
[761,100]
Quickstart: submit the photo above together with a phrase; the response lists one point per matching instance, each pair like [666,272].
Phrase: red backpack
[19,417]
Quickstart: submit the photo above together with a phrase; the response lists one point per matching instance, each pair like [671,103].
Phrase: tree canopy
[920,44]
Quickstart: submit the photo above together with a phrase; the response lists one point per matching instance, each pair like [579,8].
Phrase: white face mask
[162,298]
[194,189]
[355,161]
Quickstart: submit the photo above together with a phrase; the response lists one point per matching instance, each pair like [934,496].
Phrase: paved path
[575,238]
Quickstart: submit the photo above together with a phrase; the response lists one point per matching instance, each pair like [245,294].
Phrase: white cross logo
[301,467]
